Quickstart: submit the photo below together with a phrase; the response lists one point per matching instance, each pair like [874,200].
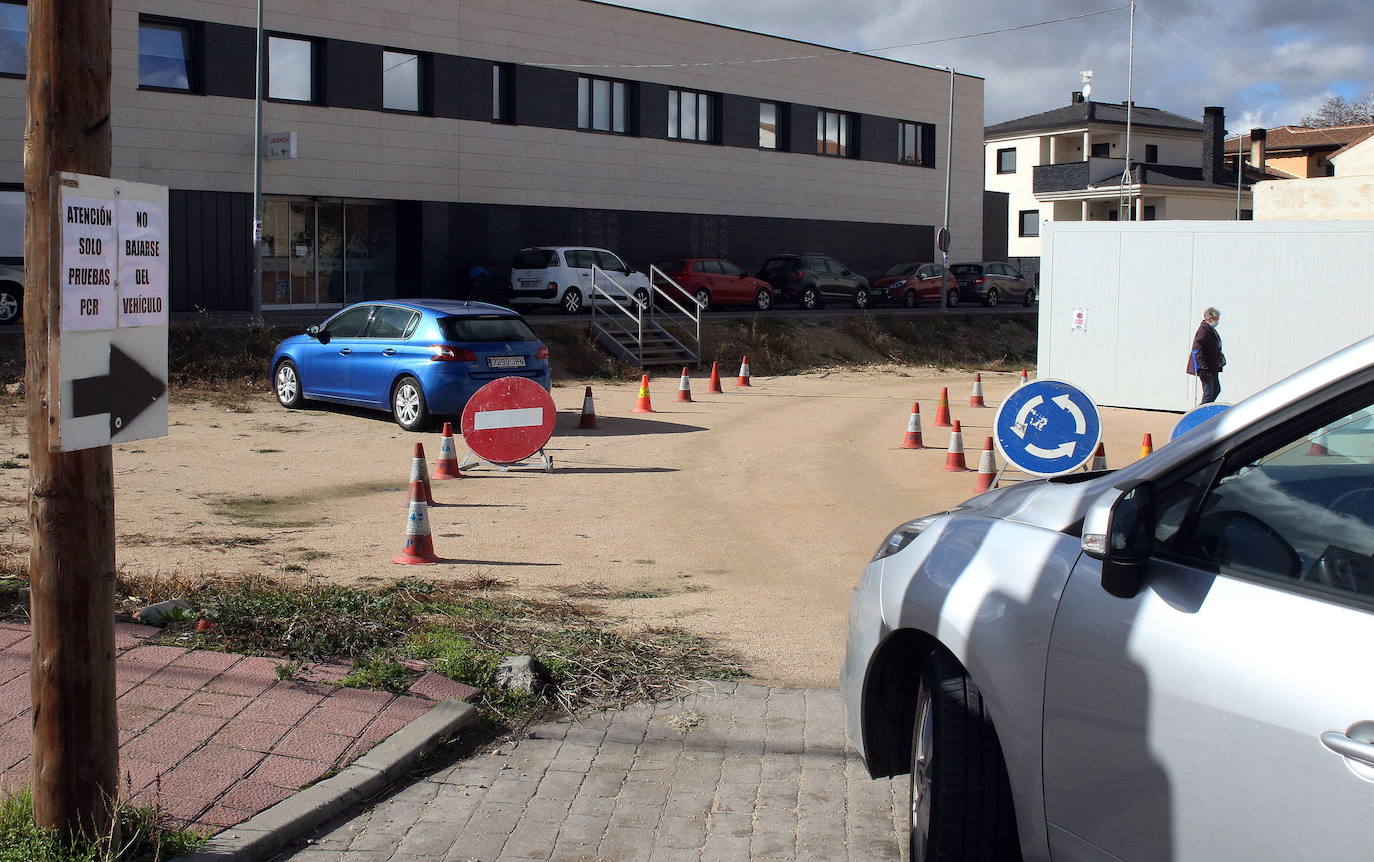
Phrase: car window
[964,269]
[777,264]
[392,322]
[485,328]
[837,267]
[670,265]
[532,258]
[814,264]
[996,269]
[1302,512]
[1013,271]
[930,270]
[700,266]
[350,322]
[713,267]
[728,268]
[610,262]
[579,258]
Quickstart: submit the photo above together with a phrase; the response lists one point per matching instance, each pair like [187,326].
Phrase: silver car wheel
[763,300]
[922,767]
[406,403]
[703,299]
[809,299]
[288,384]
[9,307]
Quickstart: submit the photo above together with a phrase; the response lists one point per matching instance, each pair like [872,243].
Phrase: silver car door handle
[389,352]
[1343,745]
[345,351]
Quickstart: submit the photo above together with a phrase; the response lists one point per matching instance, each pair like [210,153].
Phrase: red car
[712,281]
[910,284]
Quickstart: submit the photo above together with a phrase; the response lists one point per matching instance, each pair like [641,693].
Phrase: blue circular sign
[1047,428]
[1196,417]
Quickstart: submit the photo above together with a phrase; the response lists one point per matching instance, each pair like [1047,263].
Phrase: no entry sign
[508,420]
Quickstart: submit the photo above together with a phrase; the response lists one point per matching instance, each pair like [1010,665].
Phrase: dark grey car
[992,282]
[811,280]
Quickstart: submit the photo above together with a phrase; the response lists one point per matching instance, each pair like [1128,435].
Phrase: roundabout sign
[1047,428]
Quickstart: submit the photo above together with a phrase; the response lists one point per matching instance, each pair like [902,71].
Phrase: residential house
[1068,164]
[1296,152]
[1346,194]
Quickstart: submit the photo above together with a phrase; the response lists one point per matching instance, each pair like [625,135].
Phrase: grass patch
[460,629]
[145,836]
[577,356]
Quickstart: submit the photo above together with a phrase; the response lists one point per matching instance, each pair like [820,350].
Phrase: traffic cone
[419,472]
[642,405]
[684,386]
[743,373]
[1147,445]
[418,549]
[976,399]
[1099,458]
[1024,379]
[1318,446]
[942,410]
[987,470]
[954,461]
[588,411]
[715,378]
[913,429]
[447,465]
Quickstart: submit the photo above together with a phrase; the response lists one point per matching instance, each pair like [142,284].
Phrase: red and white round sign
[508,420]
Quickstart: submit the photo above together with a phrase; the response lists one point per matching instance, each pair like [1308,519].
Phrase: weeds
[145,836]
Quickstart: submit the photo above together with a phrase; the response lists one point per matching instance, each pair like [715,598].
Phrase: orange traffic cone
[976,399]
[447,465]
[987,470]
[642,405]
[1099,458]
[418,549]
[715,378]
[419,472]
[1147,445]
[954,461]
[684,386]
[1024,379]
[942,410]
[913,429]
[743,373]
[588,411]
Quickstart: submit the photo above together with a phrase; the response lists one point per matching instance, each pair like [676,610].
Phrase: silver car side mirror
[1119,531]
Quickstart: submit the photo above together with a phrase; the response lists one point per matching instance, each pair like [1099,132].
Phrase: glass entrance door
[326,253]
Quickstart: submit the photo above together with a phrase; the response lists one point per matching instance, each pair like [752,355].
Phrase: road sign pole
[71,494]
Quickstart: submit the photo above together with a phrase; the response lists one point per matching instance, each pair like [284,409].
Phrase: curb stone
[301,814]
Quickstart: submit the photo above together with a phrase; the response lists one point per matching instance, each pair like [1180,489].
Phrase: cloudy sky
[1268,62]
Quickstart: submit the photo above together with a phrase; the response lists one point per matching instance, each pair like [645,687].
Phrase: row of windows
[1030,219]
[1006,158]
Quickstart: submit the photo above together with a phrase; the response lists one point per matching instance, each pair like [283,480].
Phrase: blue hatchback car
[417,358]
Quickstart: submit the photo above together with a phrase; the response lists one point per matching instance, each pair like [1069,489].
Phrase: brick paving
[731,772]
[211,737]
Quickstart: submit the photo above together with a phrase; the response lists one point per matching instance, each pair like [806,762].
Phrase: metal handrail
[637,314]
[694,315]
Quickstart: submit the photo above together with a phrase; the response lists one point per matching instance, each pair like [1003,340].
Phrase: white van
[562,275]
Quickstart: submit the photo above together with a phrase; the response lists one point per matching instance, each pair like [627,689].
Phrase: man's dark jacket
[1206,356]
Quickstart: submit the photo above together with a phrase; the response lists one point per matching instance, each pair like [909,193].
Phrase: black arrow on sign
[124,393]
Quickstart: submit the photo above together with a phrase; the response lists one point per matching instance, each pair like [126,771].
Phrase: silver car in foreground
[1172,661]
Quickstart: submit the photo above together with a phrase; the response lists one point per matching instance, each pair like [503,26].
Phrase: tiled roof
[1081,113]
[1282,138]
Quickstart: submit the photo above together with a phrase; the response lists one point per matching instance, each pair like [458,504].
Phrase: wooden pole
[75,762]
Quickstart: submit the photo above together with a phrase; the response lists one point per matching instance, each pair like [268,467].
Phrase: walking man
[1206,359]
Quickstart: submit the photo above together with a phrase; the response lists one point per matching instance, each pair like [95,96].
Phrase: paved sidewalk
[211,737]
[733,772]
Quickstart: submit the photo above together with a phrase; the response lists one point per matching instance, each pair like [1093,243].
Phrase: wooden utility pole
[75,762]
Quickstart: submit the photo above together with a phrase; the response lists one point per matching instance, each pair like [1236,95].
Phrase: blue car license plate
[505,362]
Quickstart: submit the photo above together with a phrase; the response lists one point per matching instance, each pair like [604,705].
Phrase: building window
[14,38]
[1006,161]
[1150,212]
[402,74]
[1152,153]
[1102,151]
[165,56]
[602,105]
[772,126]
[1030,223]
[502,93]
[290,69]
[916,144]
[691,115]
[833,134]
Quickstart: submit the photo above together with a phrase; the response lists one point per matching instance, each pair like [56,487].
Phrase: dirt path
[746,515]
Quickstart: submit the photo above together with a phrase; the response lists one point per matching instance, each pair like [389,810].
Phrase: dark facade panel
[546,98]
[653,110]
[996,215]
[230,55]
[1068,176]
[211,263]
[466,88]
[352,75]
[877,138]
[802,132]
[739,125]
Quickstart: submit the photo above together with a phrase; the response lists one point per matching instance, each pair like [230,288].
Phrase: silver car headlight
[905,535]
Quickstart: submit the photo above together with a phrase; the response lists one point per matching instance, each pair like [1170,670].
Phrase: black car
[992,282]
[812,280]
